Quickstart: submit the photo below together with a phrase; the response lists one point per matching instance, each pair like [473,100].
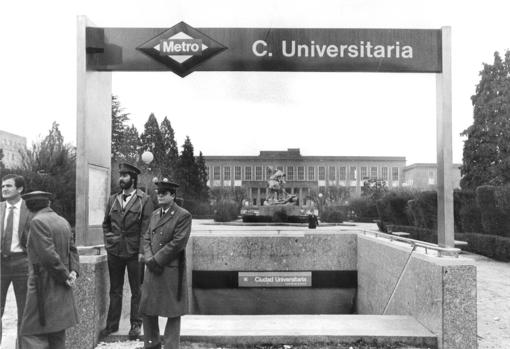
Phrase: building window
[384,171]
[216,173]
[364,174]
[394,173]
[322,173]
[237,173]
[352,173]
[301,173]
[258,173]
[247,173]
[290,173]
[373,172]
[311,173]
[332,173]
[226,173]
[342,174]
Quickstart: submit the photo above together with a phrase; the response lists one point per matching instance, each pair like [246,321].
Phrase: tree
[171,156]
[187,172]
[1,157]
[119,119]
[128,149]
[152,140]
[486,156]
[51,166]
[203,189]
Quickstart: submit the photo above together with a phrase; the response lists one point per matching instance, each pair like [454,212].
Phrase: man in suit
[127,217]
[164,291]
[53,264]
[15,221]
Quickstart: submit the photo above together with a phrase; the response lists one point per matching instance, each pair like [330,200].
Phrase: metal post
[445,224]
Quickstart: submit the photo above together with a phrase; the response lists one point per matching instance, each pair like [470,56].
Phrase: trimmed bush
[495,221]
[392,207]
[334,214]
[466,212]
[492,246]
[226,211]
[423,210]
[280,216]
[364,209]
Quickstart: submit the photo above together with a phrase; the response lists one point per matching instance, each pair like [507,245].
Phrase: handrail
[441,251]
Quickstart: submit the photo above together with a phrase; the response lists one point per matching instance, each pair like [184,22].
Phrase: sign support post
[445,223]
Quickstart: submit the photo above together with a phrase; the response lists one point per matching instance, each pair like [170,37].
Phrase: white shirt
[129,196]
[15,246]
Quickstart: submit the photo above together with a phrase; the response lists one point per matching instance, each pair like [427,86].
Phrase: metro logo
[181,47]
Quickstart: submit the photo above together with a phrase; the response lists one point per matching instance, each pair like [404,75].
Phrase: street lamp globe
[147,157]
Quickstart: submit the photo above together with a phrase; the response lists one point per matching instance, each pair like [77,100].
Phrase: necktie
[6,247]
[125,196]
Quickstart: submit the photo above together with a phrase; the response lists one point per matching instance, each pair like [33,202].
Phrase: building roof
[295,154]
[427,165]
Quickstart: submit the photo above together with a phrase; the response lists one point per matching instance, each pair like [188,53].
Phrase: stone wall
[440,292]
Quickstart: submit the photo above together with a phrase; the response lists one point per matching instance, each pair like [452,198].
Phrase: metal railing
[441,251]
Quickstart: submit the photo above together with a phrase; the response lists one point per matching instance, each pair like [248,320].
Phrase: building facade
[423,176]
[303,173]
[12,146]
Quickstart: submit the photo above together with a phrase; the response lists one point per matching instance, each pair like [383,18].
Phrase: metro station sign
[184,49]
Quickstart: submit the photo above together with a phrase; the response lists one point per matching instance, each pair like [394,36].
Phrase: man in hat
[127,217]
[15,221]
[53,264]
[164,288]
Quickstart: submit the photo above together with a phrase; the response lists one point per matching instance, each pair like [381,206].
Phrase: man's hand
[71,280]
[154,267]
[141,258]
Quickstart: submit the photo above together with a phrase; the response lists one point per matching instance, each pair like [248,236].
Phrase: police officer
[164,287]
[127,217]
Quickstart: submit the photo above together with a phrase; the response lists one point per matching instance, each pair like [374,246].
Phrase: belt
[14,255]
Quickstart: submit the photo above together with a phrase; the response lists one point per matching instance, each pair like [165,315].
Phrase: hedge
[334,214]
[226,211]
[493,246]
[364,209]
[494,217]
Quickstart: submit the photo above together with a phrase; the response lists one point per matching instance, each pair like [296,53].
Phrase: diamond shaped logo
[181,48]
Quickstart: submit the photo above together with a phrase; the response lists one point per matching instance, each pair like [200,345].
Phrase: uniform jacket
[24,222]
[50,245]
[165,240]
[123,228]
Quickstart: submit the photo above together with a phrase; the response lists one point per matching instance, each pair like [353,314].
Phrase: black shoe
[107,331]
[134,332]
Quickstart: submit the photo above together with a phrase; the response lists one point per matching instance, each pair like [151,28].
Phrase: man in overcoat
[14,224]
[53,264]
[127,217]
[164,291]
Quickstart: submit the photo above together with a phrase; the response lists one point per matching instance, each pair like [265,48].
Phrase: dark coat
[165,241]
[24,222]
[123,228]
[50,245]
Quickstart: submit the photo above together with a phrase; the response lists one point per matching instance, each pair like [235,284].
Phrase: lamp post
[147,158]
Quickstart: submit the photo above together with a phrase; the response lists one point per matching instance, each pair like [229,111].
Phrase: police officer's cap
[124,167]
[37,195]
[165,185]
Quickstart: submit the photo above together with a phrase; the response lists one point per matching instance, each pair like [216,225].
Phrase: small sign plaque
[275,279]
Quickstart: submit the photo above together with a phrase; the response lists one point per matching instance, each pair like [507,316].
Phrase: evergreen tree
[128,149]
[187,172]
[152,140]
[119,118]
[171,156]
[486,157]
[203,190]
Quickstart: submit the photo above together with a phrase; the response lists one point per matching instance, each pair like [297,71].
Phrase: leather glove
[154,267]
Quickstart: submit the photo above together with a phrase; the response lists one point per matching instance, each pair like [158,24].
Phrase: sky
[241,113]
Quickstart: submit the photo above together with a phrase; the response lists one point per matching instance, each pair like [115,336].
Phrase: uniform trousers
[117,267]
[171,337]
[14,270]
[55,340]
